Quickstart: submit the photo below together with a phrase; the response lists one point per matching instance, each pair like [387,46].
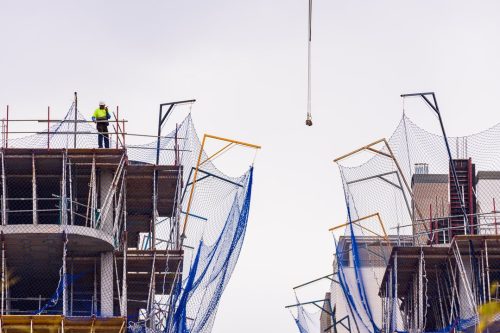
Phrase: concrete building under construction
[92,239]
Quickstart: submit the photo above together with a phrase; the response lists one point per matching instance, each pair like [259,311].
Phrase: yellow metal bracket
[390,154]
[357,223]
[230,144]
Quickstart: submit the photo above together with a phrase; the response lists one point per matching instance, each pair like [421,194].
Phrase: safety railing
[439,230]
[117,133]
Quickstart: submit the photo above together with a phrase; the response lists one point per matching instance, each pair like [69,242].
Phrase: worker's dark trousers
[103,135]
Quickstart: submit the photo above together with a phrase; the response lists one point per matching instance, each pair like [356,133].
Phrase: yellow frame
[369,147]
[199,163]
[356,222]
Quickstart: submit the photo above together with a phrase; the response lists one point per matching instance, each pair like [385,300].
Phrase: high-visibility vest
[100,114]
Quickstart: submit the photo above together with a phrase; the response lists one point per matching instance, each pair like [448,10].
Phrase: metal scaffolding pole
[33,181]
[3,274]
[65,277]
[76,119]
[71,201]
[4,193]
[125,245]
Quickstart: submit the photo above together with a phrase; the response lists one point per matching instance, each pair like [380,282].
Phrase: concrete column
[107,284]
[105,182]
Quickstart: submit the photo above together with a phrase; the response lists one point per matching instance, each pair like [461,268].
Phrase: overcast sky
[245,63]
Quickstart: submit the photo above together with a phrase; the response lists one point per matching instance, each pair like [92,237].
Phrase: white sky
[245,63]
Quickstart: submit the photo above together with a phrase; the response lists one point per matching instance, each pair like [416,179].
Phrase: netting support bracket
[331,312]
[390,155]
[329,277]
[434,106]
[229,142]
[382,176]
[162,118]
[356,222]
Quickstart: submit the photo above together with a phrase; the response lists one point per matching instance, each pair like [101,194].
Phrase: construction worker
[101,117]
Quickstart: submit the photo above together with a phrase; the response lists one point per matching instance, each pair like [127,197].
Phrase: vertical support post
[4,193]
[65,276]
[117,124]
[71,208]
[195,176]
[125,247]
[48,127]
[434,106]
[76,119]
[64,213]
[33,182]
[395,286]
[153,247]
[123,132]
[124,277]
[431,224]
[420,292]
[483,277]
[64,222]
[3,274]
[7,131]
[471,201]
[155,210]
[92,195]
[158,139]
[176,150]
[495,216]
[151,296]
[94,296]
[72,289]
[487,269]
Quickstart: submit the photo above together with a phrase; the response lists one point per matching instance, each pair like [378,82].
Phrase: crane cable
[309,117]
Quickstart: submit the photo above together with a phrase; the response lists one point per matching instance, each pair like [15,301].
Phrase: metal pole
[162,118]
[435,107]
[495,216]
[395,283]
[94,303]
[4,193]
[7,131]
[117,124]
[176,150]
[64,222]
[71,210]
[65,278]
[3,273]
[155,209]
[123,132]
[420,292]
[76,119]
[35,200]
[72,289]
[487,269]
[125,245]
[183,234]
[159,133]
[48,127]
